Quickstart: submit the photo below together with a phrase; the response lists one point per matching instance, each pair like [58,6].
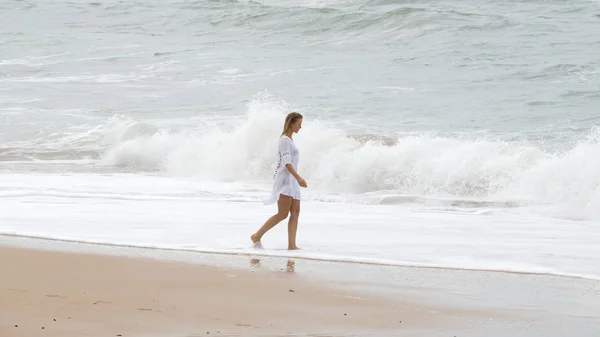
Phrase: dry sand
[53,293]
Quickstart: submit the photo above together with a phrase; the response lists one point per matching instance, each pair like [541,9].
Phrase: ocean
[459,134]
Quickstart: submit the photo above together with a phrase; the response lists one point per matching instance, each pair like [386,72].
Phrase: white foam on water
[188,214]
[475,168]
[333,160]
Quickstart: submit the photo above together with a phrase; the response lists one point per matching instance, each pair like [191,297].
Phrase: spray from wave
[243,149]
[333,160]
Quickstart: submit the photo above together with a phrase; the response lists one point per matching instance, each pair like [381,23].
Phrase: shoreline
[260,253]
[436,302]
[69,293]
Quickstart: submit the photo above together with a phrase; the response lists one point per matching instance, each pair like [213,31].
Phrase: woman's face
[297,125]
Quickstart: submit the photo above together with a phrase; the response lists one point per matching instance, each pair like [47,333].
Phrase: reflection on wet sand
[290,265]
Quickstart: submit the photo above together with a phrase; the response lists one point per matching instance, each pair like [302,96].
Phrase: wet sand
[53,293]
[54,288]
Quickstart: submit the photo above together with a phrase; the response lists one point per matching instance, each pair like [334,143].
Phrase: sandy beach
[53,293]
[54,288]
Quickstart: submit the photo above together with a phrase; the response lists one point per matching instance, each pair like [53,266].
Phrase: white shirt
[283,181]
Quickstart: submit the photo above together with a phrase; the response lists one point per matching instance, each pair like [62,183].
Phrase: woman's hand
[301,181]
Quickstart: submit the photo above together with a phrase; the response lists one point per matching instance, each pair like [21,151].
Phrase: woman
[286,184]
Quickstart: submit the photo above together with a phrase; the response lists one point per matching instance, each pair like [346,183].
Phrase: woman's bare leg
[283,205]
[293,224]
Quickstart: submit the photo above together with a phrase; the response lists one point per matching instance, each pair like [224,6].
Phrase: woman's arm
[293,172]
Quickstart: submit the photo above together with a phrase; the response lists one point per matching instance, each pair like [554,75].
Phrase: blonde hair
[290,119]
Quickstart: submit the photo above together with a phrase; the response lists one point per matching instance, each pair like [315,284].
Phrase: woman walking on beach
[286,184]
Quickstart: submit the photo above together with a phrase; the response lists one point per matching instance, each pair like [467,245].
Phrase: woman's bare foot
[255,241]
[293,248]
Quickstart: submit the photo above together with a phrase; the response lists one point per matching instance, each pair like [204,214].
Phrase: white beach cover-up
[283,181]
